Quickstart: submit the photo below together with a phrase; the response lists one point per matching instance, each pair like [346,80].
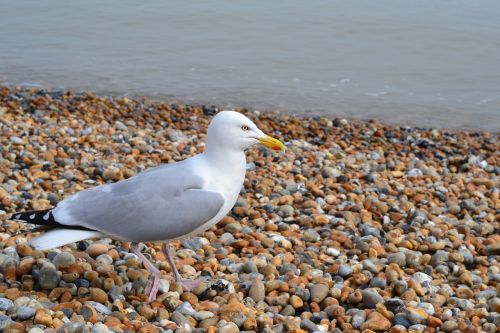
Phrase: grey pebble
[329,172]
[288,311]
[440,257]
[4,321]
[36,330]
[395,305]
[186,309]
[311,235]
[303,293]
[73,327]
[100,328]
[5,304]
[286,211]
[181,321]
[400,319]
[227,238]
[16,140]
[397,258]
[319,292]
[250,267]
[371,297]
[100,307]
[427,307]
[257,291]
[369,266]
[345,270]
[104,259]
[308,326]
[49,278]
[358,319]
[417,328]
[192,243]
[378,282]
[63,259]
[25,313]
[233,228]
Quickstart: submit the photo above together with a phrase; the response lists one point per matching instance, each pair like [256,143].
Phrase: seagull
[164,203]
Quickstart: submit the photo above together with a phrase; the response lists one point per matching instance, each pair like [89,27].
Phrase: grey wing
[156,206]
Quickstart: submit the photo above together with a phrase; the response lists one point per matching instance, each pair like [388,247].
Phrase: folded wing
[161,204]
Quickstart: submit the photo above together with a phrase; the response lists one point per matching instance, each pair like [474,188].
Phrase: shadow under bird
[164,203]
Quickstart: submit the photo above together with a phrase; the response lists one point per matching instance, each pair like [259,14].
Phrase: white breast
[228,183]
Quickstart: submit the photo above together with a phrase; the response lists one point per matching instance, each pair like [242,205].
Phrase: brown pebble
[296,302]
[146,311]
[96,249]
[42,317]
[376,322]
[98,295]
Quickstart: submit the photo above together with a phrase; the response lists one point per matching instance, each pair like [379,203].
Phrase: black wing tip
[44,218]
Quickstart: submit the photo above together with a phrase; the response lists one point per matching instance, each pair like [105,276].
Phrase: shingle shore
[358,227]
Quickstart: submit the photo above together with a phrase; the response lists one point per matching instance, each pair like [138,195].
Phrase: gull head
[232,130]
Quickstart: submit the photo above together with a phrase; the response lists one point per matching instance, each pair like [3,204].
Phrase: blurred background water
[426,62]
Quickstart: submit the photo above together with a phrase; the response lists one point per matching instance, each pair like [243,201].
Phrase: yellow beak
[272,143]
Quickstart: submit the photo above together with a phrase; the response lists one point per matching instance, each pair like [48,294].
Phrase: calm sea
[425,62]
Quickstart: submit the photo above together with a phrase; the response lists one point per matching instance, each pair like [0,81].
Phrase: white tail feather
[59,237]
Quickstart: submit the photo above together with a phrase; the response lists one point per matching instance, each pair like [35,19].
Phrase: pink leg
[186,284]
[154,279]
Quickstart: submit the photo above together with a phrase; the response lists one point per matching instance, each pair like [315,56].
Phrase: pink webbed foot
[188,284]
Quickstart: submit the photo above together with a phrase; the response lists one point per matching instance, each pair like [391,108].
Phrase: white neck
[225,159]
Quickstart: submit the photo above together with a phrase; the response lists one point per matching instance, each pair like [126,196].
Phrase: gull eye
[245,128]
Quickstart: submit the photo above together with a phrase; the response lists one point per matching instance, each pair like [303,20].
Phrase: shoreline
[359,226]
[271,108]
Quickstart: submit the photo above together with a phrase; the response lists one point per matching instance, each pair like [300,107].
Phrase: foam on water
[430,63]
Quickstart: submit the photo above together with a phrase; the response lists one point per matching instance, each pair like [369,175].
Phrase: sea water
[425,62]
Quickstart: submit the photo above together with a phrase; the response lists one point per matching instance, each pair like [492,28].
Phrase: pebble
[376,322]
[331,251]
[345,270]
[358,319]
[329,172]
[96,249]
[49,278]
[186,309]
[98,295]
[63,259]
[417,315]
[397,258]
[25,313]
[311,235]
[371,297]
[100,328]
[257,291]
[35,330]
[99,307]
[319,292]
[5,304]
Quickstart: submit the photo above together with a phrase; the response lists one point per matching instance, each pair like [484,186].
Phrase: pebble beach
[358,227]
